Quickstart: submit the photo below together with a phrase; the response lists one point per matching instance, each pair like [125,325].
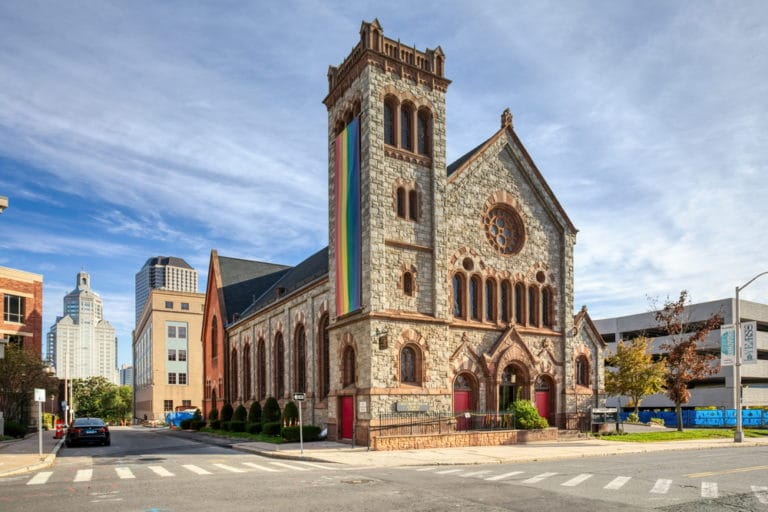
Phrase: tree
[634,372]
[117,404]
[685,363]
[88,396]
[21,371]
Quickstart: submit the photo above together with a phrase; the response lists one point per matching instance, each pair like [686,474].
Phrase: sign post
[40,398]
[299,397]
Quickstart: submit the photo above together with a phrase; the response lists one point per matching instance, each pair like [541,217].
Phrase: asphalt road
[148,471]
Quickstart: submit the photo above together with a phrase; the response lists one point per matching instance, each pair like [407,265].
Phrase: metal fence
[419,423]
[750,418]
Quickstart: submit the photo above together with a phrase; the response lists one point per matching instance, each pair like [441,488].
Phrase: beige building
[167,354]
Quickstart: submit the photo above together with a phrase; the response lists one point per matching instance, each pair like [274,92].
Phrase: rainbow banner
[348,234]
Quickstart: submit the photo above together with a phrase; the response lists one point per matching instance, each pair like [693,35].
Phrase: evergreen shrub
[290,414]
[526,415]
[240,414]
[214,414]
[254,413]
[237,426]
[271,411]
[15,429]
[226,412]
[291,434]
[272,428]
[253,428]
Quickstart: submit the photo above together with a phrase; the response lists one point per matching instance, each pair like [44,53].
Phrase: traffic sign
[298,397]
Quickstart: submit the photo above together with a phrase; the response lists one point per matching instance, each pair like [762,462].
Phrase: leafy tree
[21,371]
[685,363]
[117,404]
[634,373]
[88,396]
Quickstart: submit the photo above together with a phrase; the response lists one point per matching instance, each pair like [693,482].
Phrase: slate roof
[242,280]
[466,156]
[306,272]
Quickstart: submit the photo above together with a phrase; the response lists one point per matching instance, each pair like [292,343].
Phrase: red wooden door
[461,403]
[542,403]
[347,416]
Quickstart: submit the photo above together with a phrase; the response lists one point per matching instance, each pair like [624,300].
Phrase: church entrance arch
[464,399]
[544,388]
[512,386]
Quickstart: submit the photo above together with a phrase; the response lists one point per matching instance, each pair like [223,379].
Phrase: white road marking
[761,493]
[475,473]
[426,469]
[230,468]
[617,483]
[297,468]
[196,469]
[709,490]
[503,476]
[448,471]
[573,482]
[312,464]
[256,466]
[160,471]
[538,478]
[662,486]
[83,475]
[40,478]
[125,473]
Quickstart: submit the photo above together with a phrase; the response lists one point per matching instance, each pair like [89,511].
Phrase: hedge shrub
[291,434]
[253,428]
[254,413]
[271,411]
[290,414]
[226,412]
[225,425]
[214,414]
[237,426]
[185,424]
[215,424]
[526,415]
[272,428]
[15,429]
[196,424]
[240,414]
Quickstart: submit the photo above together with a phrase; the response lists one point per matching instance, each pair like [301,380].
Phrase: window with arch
[410,362]
[413,205]
[247,393]
[234,387]
[407,202]
[279,366]
[582,371]
[401,198]
[490,300]
[505,300]
[423,133]
[261,356]
[214,337]
[390,109]
[519,303]
[547,309]
[458,295]
[325,362]
[475,289]
[408,285]
[406,123]
[348,366]
[533,306]
[300,359]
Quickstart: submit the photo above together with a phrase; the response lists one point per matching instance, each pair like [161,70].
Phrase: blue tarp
[174,419]
[708,418]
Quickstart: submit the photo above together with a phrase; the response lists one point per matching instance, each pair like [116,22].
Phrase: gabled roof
[306,272]
[582,318]
[242,280]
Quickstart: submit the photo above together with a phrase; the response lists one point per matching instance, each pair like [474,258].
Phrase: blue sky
[135,129]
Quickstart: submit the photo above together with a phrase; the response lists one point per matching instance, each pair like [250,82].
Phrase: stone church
[446,287]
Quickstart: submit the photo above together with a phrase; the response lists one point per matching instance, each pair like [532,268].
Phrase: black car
[88,430]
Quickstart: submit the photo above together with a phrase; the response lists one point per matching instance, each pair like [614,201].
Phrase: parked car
[88,430]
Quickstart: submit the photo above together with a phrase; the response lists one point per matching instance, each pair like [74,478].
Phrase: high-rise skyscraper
[165,273]
[84,343]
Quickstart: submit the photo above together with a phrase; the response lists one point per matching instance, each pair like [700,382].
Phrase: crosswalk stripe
[229,468]
[313,465]
[662,486]
[448,471]
[475,473]
[160,471]
[617,483]
[83,475]
[256,466]
[196,469]
[426,469]
[297,468]
[761,493]
[503,476]
[538,478]
[573,482]
[124,473]
[709,490]
[40,478]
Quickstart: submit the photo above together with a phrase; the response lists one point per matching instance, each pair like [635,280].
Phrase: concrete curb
[46,462]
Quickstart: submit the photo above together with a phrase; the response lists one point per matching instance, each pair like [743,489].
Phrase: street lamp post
[738,436]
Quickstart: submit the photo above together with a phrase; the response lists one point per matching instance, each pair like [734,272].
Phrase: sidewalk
[23,455]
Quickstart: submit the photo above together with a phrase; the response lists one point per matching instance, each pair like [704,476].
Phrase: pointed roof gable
[464,161]
[582,320]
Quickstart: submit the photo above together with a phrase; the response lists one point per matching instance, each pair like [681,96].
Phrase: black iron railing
[419,423]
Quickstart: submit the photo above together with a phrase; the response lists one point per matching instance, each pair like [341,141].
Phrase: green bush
[214,414]
[225,425]
[15,429]
[526,415]
[185,424]
[271,411]
[253,428]
[198,415]
[240,414]
[215,424]
[633,418]
[658,421]
[272,428]
[226,412]
[254,413]
[237,426]
[196,424]
[290,414]
[291,434]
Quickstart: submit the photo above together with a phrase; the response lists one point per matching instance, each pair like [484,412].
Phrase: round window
[504,229]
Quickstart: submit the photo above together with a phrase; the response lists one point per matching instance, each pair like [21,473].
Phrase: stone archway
[514,384]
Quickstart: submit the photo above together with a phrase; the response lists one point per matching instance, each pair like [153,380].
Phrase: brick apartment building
[22,320]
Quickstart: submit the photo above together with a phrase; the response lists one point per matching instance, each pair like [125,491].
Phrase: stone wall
[455,440]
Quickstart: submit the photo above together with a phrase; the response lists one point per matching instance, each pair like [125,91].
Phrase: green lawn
[673,435]
[244,436]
